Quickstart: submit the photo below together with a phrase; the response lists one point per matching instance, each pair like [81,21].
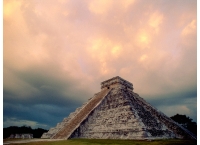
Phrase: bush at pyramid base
[117,113]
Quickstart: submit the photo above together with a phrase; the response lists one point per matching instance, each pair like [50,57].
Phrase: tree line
[37,133]
[186,122]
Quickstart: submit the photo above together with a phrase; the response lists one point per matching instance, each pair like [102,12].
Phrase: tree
[37,133]
[186,122]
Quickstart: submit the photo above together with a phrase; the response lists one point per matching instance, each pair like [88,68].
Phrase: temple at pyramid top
[116,82]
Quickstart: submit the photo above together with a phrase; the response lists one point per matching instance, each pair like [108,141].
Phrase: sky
[57,52]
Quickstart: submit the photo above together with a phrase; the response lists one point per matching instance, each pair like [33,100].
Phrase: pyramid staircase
[69,124]
[118,113]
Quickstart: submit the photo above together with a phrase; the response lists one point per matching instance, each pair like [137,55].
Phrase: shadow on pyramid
[117,113]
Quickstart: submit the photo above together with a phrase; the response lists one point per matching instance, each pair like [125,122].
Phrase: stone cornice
[116,80]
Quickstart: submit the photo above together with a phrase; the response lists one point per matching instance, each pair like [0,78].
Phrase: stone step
[59,126]
[66,131]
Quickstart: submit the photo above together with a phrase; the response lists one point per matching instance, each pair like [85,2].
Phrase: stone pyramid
[116,112]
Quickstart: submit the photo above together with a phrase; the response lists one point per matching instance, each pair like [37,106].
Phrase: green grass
[113,142]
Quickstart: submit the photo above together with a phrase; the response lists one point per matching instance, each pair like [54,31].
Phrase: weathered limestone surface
[25,135]
[118,113]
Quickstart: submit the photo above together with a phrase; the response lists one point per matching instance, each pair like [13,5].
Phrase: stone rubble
[23,136]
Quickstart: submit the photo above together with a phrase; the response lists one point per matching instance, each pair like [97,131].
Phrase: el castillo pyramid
[116,112]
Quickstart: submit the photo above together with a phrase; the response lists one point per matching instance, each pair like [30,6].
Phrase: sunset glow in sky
[57,52]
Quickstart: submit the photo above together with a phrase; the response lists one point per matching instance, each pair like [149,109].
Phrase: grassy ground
[112,142]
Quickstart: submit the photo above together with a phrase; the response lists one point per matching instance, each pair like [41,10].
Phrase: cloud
[16,122]
[104,7]
[56,53]
[100,7]
[190,28]
[48,114]
[155,20]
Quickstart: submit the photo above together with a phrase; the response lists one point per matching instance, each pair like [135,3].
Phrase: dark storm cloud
[177,103]
[46,100]
[46,115]
[172,99]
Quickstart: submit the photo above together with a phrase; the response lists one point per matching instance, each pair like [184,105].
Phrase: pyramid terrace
[116,112]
